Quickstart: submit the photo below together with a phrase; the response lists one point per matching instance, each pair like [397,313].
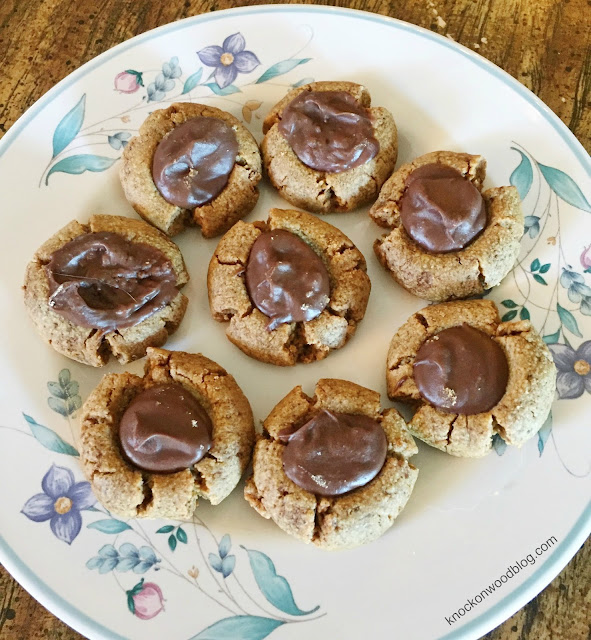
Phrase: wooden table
[545,44]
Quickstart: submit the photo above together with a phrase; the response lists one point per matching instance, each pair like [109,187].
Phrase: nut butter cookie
[332,469]
[448,239]
[293,288]
[152,446]
[109,287]
[326,149]
[191,164]
[472,376]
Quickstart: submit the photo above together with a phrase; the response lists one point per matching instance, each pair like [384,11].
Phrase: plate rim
[577,535]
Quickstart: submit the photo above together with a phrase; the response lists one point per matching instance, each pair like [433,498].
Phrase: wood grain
[545,44]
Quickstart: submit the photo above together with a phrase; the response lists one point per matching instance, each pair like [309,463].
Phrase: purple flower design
[229,60]
[60,503]
[574,369]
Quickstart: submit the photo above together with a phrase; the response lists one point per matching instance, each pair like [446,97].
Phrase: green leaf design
[524,313]
[568,320]
[545,268]
[56,390]
[239,628]
[552,338]
[49,439]
[192,81]
[68,127]
[275,588]
[564,187]
[522,176]
[181,536]
[226,91]
[58,405]
[167,528]
[75,165]
[586,306]
[64,378]
[538,278]
[109,526]
[280,68]
[509,316]
[172,542]
[535,265]
[509,304]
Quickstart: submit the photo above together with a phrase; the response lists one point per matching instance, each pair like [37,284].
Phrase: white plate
[467,522]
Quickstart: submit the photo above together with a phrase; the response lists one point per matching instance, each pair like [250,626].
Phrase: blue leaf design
[172,542]
[552,338]
[94,563]
[56,390]
[127,564]
[127,550]
[75,165]
[523,175]
[239,628]
[108,551]
[226,91]
[509,316]
[57,405]
[499,445]
[275,588]
[68,127]
[147,555]
[109,526]
[181,535]
[108,565]
[544,433]
[564,187]
[142,567]
[64,378]
[524,313]
[568,320]
[535,265]
[280,68]
[215,561]
[49,439]
[509,304]
[224,546]
[302,82]
[192,81]
[228,564]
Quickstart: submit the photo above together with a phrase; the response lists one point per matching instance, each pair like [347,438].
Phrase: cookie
[448,239]
[82,316]
[471,377]
[350,518]
[312,304]
[326,149]
[158,176]
[129,491]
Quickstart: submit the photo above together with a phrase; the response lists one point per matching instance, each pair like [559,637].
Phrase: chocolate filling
[285,279]
[441,210]
[193,162]
[461,370]
[334,453]
[329,130]
[104,281]
[165,429]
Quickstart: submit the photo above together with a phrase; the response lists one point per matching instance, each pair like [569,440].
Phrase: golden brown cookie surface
[238,197]
[482,264]
[130,492]
[295,341]
[339,522]
[522,409]
[90,345]
[323,192]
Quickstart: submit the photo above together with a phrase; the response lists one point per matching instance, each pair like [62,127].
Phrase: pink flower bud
[586,257]
[128,81]
[148,602]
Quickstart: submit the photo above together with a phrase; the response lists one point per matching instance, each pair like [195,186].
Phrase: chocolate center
[334,453]
[193,162]
[329,130]
[104,281]
[461,370]
[441,210]
[285,279]
[165,429]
